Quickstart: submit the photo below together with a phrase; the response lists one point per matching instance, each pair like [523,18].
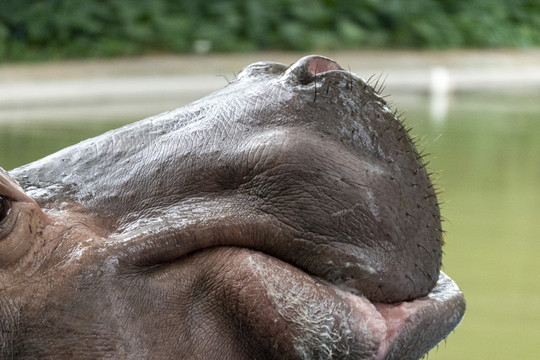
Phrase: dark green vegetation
[52,29]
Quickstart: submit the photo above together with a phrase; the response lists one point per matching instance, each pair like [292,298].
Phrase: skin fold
[286,216]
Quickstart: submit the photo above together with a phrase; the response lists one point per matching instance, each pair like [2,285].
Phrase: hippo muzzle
[286,216]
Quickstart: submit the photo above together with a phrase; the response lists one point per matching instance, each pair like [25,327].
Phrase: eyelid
[11,190]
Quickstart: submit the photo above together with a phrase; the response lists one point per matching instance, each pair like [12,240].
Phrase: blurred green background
[53,29]
[484,153]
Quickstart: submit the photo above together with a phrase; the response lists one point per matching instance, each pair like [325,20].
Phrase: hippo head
[287,216]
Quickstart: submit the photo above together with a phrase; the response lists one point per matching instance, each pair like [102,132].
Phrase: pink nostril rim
[306,69]
[319,65]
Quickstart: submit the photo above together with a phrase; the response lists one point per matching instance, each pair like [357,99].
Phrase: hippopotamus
[286,216]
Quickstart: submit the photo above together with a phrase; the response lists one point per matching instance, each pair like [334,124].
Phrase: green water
[486,159]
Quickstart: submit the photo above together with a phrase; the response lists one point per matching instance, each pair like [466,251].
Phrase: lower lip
[304,314]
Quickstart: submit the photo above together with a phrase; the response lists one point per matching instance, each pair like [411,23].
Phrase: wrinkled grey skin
[287,216]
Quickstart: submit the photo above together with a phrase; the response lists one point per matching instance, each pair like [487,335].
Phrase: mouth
[294,315]
[284,311]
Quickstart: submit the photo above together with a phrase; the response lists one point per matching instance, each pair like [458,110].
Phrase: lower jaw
[295,316]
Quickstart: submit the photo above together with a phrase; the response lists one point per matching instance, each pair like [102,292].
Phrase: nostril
[306,68]
[317,65]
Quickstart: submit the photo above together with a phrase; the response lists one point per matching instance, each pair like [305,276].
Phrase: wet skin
[287,216]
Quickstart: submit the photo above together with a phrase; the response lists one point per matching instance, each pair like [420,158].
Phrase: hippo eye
[15,238]
[7,220]
[5,207]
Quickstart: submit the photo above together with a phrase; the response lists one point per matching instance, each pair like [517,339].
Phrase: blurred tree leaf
[44,29]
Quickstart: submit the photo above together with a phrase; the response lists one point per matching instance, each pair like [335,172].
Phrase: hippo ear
[19,218]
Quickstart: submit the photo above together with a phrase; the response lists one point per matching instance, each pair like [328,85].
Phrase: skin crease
[286,216]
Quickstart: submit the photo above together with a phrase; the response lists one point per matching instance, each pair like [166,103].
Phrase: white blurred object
[202,46]
[439,91]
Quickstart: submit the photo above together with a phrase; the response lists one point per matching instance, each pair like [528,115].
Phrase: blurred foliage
[45,29]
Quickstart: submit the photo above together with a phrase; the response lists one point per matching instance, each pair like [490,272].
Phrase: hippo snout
[355,161]
[287,215]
